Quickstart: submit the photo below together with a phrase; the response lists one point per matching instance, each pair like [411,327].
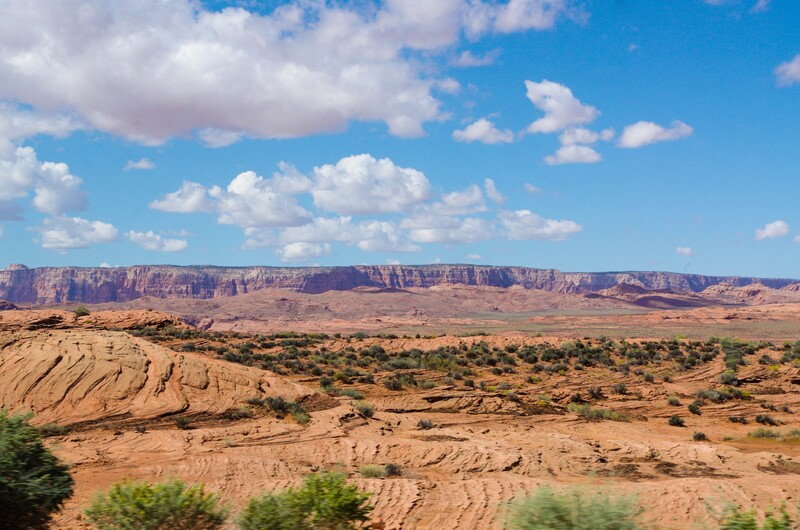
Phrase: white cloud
[797,239]
[684,251]
[2,232]
[383,236]
[644,133]
[772,230]
[573,154]
[788,73]
[530,188]
[483,131]
[449,230]
[392,261]
[519,15]
[105,265]
[761,6]
[561,108]
[151,241]
[584,136]
[526,225]
[492,192]
[56,190]
[65,233]
[302,251]
[191,197]
[142,163]
[472,256]
[468,59]
[216,138]
[369,236]
[17,124]
[361,184]
[466,201]
[248,201]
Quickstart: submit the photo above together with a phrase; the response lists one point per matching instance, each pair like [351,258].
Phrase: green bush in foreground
[33,483]
[165,506]
[735,519]
[573,510]
[324,502]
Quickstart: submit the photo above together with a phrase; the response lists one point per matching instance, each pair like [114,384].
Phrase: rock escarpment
[21,285]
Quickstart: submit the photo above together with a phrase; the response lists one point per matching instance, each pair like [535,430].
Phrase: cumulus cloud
[55,189]
[530,188]
[573,154]
[449,230]
[151,241]
[231,73]
[302,251]
[483,131]
[248,201]
[492,192]
[772,230]
[469,59]
[368,236]
[684,251]
[788,73]
[472,256]
[561,108]
[18,124]
[142,163]
[526,225]
[761,6]
[644,133]
[580,135]
[392,261]
[361,184]
[63,233]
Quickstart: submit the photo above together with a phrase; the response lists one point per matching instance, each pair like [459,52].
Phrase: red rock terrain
[43,286]
[489,444]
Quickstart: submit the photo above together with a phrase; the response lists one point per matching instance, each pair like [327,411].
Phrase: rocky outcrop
[41,286]
[5,305]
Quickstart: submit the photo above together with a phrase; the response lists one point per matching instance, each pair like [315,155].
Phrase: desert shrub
[53,429]
[699,436]
[674,401]
[728,377]
[372,471]
[324,501]
[277,404]
[183,423]
[738,419]
[596,392]
[676,421]
[763,432]
[766,419]
[424,424]
[733,518]
[239,413]
[620,389]
[81,311]
[694,408]
[393,470]
[574,510]
[364,409]
[33,483]
[164,506]
[595,414]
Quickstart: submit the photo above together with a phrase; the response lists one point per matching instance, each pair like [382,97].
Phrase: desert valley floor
[475,405]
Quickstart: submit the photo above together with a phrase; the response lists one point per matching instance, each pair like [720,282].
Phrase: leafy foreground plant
[165,506]
[574,510]
[324,502]
[735,519]
[33,483]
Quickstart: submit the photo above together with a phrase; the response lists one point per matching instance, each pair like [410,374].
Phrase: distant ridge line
[58,285]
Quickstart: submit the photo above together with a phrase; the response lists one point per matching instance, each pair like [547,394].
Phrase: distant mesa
[17,267]
[63,285]
[5,305]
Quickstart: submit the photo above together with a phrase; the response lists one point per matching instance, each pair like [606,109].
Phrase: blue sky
[577,135]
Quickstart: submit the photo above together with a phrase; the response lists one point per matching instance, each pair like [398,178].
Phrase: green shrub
[674,401]
[574,510]
[676,421]
[372,471]
[164,506]
[735,519]
[183,423]
[324,501]
[699,437]
[594,414]
[367,410]
[33,483]
[393,470]
[424,425]
[766,419]
[763,432]
[53,429]
[81,311]
[694,408]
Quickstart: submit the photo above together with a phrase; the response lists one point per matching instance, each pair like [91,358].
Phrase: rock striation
[59,285]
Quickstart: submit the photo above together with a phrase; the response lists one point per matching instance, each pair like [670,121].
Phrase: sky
[591,135]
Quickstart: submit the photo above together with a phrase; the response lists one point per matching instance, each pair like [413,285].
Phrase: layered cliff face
[42,286]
